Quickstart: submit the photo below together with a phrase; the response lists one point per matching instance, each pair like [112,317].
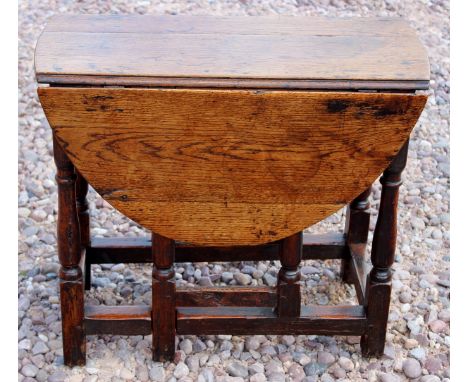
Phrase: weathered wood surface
[226,296]
[327,320]
[229,167]
[196,48]
[163,312]
[124,320]
[138,250]
[70,255]
[379,280]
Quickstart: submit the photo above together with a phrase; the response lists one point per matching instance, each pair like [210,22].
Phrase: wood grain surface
[216,167]
[173,49]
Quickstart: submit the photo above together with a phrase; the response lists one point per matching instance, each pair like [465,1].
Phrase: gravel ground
[418,336]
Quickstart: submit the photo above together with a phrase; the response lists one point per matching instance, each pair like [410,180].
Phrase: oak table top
[230,130]
[262,52]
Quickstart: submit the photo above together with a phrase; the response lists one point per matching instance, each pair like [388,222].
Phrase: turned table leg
[83,218]
[69,252]
[163,309]
[289,289]
[378,286]
[356,229]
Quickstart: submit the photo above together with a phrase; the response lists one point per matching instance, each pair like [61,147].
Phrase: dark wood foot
[356,230]
[289,289]
[69,252]
[378,286]
[164,298]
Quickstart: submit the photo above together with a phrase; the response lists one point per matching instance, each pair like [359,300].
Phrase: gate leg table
[226,137]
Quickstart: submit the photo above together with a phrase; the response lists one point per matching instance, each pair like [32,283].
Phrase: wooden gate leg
[164,309]
[356,229]
[378,286]
[83,218]
[289,289]
[69,252]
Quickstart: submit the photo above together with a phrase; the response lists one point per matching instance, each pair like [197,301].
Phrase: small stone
[433,365]
[205,281]
[199,346]
[405,297]
[141,373]
[430,378]
[418,353]
[226,277]
[186,346]
[308,270]
[325,358]
[29,370]
[118,267]
[23,303]
[101,282]
[269,279]
[236,369]
[193,363]
[248,269]
[258,377]
[242,278]
[296,372]
[412,368]
[339,373]
[157,373]
[346,363]
[58,376]
[314,368]
[389,351]
[40,348]
[418,223]
[437,234]
[256,368]
[126,374]
[181,370]
[277,377]
[50,268]
[288,340]
[324,378]
[411,343]
[24,344]
[438,326]
[384,377]
[252,343]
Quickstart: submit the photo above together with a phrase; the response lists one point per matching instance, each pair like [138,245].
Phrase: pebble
[269,279]
[252,343]
[412,368]
[242,278]
[314,368]
[236,369]
[186,346]
[438,326]
[227,277]
[258,377]
[418,353]
[126,374]
[40,348]
[325,358]
[181,370]
[388,377]
[157,373]
[29,370]
[346,363]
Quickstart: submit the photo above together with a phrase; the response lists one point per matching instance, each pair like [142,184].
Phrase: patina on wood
[245,167]
[207,51]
